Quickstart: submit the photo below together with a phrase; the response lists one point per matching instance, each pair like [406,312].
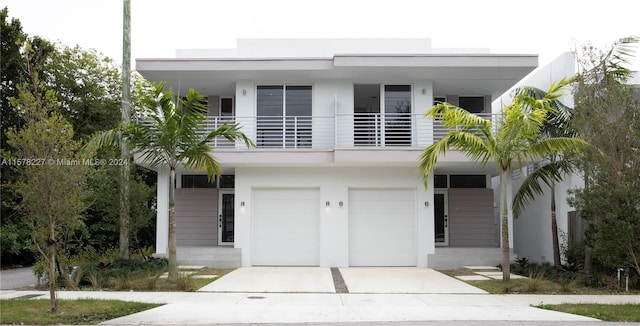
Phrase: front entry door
[225,218]
[441,220]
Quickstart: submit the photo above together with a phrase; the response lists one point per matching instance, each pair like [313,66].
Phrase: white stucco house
[333,181]
[532,230]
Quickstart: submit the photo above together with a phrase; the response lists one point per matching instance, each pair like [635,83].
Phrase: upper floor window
[473,104]
[382,115]
[284,116]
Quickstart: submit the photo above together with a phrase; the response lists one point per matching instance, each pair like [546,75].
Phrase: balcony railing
[344,131]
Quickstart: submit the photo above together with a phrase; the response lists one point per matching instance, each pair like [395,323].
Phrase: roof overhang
[465,74]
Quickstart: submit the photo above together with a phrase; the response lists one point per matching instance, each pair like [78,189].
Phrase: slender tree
[53,177]
[514,141]
[172,135]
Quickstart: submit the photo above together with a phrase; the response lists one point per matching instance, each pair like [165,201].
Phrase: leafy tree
[102,217]
[172,135]
[607,114]
[11,37]
[88,88]
[53,185]
[15,242]
[515,140]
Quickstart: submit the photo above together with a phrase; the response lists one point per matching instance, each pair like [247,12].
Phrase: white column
[425,216]
[162,220]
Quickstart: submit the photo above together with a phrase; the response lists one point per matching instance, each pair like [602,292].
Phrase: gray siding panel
[196,217]
[471,218]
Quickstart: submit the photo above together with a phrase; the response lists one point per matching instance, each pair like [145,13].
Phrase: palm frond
[469,143]
[428,159]
[549,174]
[475,147]
[615,61]
[456,118]
[203,162]
[557,145]
[102,139]
[231,133]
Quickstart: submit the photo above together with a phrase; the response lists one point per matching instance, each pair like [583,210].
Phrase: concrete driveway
[357,280]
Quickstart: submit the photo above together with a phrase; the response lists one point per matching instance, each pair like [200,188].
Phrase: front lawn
[538,285]
[70,312]
[620,313]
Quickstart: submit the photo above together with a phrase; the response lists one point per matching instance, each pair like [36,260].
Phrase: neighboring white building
[333,181]
[532,230]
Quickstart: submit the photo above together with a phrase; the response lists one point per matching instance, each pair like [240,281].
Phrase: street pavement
[17,278]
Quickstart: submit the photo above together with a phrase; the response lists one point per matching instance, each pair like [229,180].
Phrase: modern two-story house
[333,180]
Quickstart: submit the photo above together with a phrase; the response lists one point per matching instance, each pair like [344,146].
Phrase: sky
[159,27]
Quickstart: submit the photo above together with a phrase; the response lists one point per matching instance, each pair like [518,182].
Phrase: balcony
[342,131]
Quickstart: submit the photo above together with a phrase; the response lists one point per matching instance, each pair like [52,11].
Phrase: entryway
[441,218]
[225,217]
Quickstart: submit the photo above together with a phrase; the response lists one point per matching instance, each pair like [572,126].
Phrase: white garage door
[285,227]
[382,228]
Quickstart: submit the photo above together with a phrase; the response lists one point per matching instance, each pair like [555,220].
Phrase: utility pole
[126,120]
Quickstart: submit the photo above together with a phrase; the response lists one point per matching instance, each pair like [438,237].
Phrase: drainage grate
[29,296]
[255,297]
[338,281]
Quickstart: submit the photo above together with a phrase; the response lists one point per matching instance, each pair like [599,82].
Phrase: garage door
[285,227]
[382,229]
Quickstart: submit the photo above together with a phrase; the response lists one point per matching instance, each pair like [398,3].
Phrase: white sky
[159,27]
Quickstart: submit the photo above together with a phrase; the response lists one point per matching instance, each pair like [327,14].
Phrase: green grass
[620,313]
[70,312]
[537,285]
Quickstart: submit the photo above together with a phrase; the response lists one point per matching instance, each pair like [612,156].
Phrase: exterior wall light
[241,204]
[426,204]
[340,203]
[327,204]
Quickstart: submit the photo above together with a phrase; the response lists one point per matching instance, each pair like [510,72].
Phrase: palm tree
[173,134]
[556,125]
[125,156]
[514,140]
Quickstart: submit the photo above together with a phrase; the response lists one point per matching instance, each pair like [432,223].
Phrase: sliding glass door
[284,116]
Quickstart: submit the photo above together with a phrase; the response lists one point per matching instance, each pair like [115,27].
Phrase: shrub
[185,283]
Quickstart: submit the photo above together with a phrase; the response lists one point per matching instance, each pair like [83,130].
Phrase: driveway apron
[356,279]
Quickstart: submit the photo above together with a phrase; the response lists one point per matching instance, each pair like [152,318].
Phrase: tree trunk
[52,274]
[588,260]
[504,233]
[173,260]
[126,120]
[554,229]
[588,252]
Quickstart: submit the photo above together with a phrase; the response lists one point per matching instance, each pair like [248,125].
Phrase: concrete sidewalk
[193,308]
